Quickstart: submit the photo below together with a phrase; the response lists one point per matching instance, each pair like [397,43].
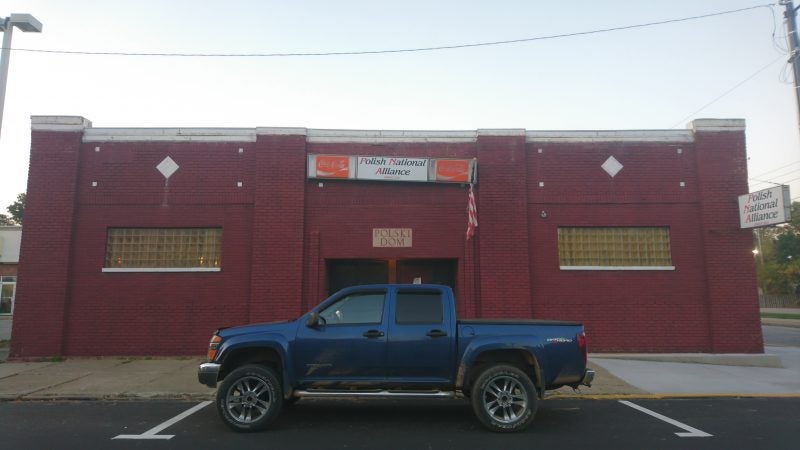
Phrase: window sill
[617,267]
[159,269]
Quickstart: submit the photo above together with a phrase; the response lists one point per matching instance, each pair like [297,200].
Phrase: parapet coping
[334,136]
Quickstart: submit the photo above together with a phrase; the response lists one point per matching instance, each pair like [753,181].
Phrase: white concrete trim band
[169,134]
[388,136]
[77,123]
[667,136]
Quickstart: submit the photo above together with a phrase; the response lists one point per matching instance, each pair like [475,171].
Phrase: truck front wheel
[249,398]
[504,399]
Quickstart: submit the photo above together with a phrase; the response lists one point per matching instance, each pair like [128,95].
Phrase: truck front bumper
[208,373]
[588,377]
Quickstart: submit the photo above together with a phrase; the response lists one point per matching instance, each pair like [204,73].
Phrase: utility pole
[794,48]
[24,22]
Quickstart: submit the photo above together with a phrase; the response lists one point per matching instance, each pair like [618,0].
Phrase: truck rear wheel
[504,399]
[249,398]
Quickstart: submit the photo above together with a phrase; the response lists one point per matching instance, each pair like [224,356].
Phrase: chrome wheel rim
[504,399]
[248,399]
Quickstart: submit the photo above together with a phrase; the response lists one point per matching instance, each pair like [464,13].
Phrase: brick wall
[729,266]
[503,227]
[8,270]
[279,229]
[46,250]
[340,215]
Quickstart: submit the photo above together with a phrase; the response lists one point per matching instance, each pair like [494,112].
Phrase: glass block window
[163,248]
[7,287]
[614,246]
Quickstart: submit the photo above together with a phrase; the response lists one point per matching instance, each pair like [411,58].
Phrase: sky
[658,77]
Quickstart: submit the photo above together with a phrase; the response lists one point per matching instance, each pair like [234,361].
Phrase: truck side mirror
[313,320]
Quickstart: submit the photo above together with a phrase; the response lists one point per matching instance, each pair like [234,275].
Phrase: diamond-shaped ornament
[167,167]
[612,166]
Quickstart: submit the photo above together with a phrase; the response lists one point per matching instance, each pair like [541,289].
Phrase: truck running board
[384,393]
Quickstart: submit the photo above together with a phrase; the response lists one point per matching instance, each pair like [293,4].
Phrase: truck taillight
[581,338]
[213,346]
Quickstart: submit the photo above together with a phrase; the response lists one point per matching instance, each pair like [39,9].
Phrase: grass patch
[781,316]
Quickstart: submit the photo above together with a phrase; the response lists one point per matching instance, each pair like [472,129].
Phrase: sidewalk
[111,378]
[776,373]
[102,378]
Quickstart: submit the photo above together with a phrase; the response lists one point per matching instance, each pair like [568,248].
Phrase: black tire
[249,398]
[504,399]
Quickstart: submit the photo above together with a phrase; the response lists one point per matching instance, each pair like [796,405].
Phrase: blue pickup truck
[393,341]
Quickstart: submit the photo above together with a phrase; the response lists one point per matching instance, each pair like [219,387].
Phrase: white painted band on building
[169,134]
[326,136]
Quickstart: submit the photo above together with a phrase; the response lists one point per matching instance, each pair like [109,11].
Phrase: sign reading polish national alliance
[392,168]
[765,207]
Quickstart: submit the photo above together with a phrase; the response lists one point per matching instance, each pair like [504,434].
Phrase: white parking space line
[690,431]
[153,432]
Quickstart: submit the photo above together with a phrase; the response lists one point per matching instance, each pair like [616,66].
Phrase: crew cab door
[348,345]
[421,347]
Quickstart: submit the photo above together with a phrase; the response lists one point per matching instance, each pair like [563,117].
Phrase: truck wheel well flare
[252,356]
[520,359]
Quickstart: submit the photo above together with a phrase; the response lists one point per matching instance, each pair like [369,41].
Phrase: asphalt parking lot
[718,423]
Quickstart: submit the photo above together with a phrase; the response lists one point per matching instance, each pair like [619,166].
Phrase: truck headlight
[213,346]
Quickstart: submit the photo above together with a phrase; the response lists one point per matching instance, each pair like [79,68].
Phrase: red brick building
[143,241]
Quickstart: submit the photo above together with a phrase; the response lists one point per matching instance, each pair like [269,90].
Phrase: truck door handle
[435,333]
[373,334]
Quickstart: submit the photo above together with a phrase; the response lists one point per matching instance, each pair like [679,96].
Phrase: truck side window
[419,308]
[354,309]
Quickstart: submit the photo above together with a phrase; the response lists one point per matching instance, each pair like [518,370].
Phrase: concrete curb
[560,396]
[105,398]
[720,359]
[780,322]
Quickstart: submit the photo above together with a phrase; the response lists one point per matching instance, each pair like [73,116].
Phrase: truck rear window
[418,307]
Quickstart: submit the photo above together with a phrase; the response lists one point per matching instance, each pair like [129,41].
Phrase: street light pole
[24,22]
[794,47]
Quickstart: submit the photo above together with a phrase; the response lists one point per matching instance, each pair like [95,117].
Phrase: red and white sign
[392,168]
[454,170]
[331,166]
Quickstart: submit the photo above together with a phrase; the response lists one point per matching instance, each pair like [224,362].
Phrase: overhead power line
[736,86]
[776,169]
[405,50]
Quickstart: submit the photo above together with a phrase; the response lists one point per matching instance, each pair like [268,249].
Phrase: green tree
[17,211]
[787,248]
[778,263]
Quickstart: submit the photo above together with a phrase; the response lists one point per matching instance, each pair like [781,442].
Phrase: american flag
[472,213]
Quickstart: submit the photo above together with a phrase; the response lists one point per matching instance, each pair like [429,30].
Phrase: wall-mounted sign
[391,237]
[332,166]
[765,207]
[392,168]
[454,170]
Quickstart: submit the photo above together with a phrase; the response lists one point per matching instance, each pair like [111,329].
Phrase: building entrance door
[343,273]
